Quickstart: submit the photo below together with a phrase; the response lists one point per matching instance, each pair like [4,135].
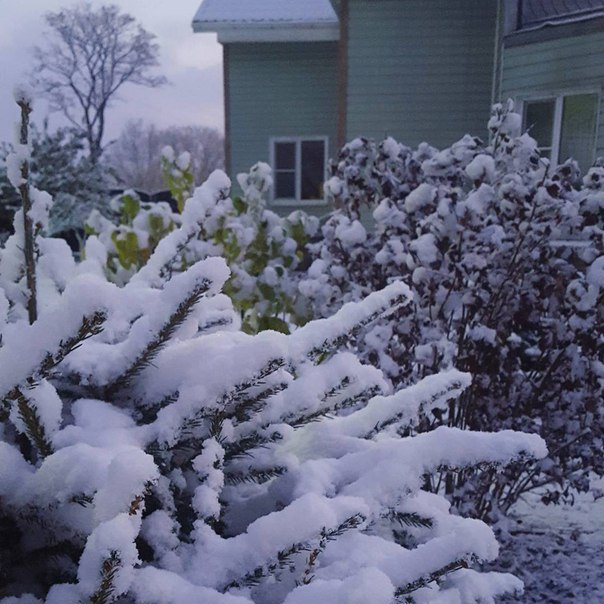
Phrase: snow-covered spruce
[150,452]
[194,466]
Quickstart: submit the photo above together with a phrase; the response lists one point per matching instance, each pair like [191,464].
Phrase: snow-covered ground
[558,551]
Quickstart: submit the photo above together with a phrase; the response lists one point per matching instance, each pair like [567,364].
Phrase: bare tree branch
[89,55]
[134,157]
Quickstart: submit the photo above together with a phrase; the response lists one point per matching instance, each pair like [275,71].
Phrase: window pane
[313,169]
[285,185]
[285,156]
[579,129]
[539,120]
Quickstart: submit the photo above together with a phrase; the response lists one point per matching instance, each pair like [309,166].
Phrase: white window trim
[558,97]
[298,140]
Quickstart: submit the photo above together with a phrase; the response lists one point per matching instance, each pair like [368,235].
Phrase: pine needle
[253,475]
[34,427]
[433,576]
[180,315]
[411,519]
[105,593]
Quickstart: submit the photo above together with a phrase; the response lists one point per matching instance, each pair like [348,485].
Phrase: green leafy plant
[263,250]
[131,234]
[177,173]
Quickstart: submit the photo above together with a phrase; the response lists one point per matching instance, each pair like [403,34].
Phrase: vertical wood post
[227,109]
[342,80]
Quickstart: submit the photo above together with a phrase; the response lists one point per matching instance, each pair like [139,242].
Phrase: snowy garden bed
[558,551]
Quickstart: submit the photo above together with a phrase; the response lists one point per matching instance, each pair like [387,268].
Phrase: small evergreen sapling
[150,452]
[59,167]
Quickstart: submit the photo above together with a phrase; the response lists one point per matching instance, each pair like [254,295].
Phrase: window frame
[558,98]
[298,140]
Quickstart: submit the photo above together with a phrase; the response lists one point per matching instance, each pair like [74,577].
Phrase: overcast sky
[192,63]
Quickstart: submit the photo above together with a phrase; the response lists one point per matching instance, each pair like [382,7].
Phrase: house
[552,63]
[303,76]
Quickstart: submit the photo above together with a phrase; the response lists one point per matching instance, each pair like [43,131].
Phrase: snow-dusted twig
[28,224]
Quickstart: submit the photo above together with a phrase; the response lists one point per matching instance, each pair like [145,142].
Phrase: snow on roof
[268,20]
[264,11]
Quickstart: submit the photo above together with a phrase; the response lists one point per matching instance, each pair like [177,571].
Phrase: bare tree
[88,56]
[134,158]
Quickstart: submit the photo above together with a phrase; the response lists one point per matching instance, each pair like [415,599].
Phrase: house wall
[279,89]
[557,66]
[420,70]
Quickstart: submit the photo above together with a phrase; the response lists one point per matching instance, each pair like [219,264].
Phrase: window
[564,126]
[299,170]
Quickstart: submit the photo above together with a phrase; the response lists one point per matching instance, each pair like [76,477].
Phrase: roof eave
[275,31]
[564,20]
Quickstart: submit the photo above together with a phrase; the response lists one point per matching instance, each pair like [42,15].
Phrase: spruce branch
[232,404]
[83,500]
[355,399]
[425,580]
[176,319]
[234,396]
[28,225]
[283,560]
[148,413]
[250,405]
[258,438]
[344,383]
[243,446]
[166,269]
[452,388]
[335,406]
[253,475]
[520,457]
[221,322]
[327,536]
[284,557]
[105,593]
[33,425]
[410,519]
[332,343]
[91,325]
[300,419]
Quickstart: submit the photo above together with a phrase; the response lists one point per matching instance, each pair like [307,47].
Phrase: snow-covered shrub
[150,452]
[177,173]
[261,248]
[504,254]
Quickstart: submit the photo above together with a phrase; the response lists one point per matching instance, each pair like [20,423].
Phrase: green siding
[556,67]
[279,89]
[420,70]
